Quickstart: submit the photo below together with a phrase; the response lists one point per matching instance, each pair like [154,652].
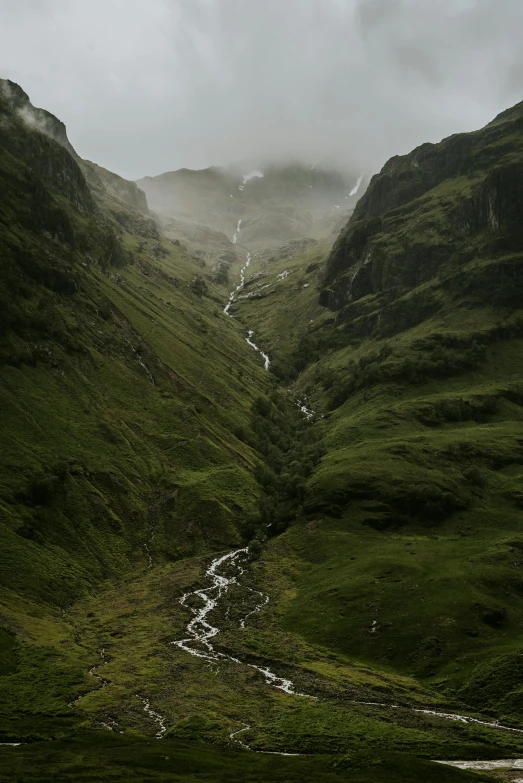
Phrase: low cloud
[150,87]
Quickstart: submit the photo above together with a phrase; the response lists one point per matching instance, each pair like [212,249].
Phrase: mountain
[278,204]
[200,555]
[406,337]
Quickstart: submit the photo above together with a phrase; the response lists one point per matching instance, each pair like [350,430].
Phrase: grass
[134,623]
[100,756]
[280,301]
[120,390]
[407,556]
[127,402]
[127,434]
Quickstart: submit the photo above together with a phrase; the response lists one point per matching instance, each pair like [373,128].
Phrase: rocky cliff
[429,212]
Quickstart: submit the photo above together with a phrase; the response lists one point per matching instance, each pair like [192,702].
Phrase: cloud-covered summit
[150,87]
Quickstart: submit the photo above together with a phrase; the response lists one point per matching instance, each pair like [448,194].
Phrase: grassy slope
[133,623]
[93,758]
[129,394]
[120,388]
[418,499]
[280,301]
[122,384]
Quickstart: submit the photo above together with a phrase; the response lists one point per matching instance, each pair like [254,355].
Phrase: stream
[201,631]
[233,295]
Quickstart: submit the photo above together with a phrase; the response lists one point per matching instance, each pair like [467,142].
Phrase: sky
[147,86]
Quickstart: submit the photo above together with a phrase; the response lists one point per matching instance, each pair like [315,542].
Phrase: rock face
[40,119]
[115,187]
[81,182]
[439,206]
[55,165]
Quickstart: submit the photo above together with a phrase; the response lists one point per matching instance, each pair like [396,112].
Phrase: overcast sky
[146,86]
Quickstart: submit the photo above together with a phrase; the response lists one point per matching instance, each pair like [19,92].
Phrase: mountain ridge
[373,478]
[271,199]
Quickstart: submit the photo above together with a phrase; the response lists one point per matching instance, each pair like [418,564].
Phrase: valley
[260,486]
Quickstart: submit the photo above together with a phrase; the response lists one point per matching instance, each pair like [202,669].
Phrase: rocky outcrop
[56,165]
[54,201]
[40,119]
[435,208]
[115,187]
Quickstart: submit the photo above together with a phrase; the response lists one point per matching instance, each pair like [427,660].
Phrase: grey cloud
[149,86]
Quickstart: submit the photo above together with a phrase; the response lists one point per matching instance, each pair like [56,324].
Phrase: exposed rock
[438,206]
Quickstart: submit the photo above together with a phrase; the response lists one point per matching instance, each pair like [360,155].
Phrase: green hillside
[413,360]
[143,440]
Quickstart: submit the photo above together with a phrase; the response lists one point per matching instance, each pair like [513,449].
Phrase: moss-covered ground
[95,757]
[134,448]
[408,554]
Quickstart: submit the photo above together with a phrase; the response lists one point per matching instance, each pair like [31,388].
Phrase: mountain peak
[40,119]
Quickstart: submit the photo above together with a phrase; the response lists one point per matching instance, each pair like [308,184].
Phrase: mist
[147,87]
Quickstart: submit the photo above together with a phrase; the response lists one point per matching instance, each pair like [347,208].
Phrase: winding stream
[487,765]
[240,285]
[201,631]
[156,717]
[232,297]
[92,672]
[253,345]
[446,715]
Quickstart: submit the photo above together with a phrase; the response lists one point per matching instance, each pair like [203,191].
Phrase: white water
[252,175]
[232,297]
[234,736]
[240,285]
[253,345]
[356,186]
[247,178]
[113,725]
[467,719]
[236,234]
[446,715]
[133,349]
[485,765]
[156,717]
[302,405]
[92,672]
[201,631]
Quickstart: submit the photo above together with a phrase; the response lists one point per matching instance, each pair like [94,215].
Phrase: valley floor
[136,682]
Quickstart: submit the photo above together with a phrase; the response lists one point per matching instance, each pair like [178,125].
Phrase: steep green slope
[106,757]
[118,380]
[412,553]
[121,386]
[139,429]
